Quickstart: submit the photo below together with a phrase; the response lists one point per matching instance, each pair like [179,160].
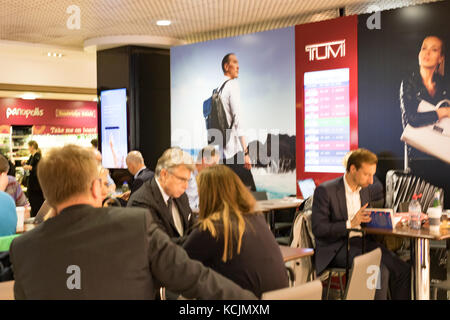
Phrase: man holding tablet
[339,205]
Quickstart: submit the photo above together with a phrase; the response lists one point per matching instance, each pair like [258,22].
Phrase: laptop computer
[307,187]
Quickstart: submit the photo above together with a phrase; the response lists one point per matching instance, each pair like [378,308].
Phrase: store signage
[326,50]
[36,112]
[78,117]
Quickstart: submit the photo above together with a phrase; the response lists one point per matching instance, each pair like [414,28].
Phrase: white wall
[22,63]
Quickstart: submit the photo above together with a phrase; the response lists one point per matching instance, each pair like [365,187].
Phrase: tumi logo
[326,50]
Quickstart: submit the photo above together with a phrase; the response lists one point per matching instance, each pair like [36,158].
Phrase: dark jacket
[121,254]
[144,175]
[412,92]
[259,267]
[329,217]
[33,182]
[148,196]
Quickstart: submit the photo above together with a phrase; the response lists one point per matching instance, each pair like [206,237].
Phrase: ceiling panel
[44,21]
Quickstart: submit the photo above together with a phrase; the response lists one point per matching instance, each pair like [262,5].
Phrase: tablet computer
[381,218]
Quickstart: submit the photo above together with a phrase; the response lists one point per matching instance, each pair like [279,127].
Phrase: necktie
[175,216]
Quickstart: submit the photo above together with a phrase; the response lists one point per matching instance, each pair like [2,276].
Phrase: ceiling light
[163,22]
[28,96]
[49,54]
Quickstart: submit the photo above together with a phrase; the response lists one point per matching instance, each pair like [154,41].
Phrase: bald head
[135,162]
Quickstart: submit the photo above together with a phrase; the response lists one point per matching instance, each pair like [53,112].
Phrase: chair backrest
[259,195]
[307,291]
[364,276]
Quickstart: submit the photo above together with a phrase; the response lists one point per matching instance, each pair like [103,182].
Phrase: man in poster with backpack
[234,144]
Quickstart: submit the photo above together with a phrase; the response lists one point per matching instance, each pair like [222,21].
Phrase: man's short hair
[4,164]
[225,60]
[94,143]
[135,157]
[66,172]
[207,152]
[174,157]
[360,156]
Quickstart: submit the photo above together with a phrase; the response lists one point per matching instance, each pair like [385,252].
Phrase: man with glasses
[89,252]
[164,195]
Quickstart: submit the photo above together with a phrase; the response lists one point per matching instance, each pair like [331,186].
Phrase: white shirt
[175,213]
[231,100]
[353,201]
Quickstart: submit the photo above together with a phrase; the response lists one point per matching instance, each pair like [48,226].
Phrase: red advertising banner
[77,117]
[326,97]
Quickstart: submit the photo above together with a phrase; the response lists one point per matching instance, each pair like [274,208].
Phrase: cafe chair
[359,287]
[307,291]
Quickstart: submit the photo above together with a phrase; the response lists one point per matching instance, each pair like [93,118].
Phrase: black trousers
[243,173]
[36,199]
[397,271]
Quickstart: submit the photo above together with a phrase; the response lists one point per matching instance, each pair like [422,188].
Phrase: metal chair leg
[328,285]
[341,287]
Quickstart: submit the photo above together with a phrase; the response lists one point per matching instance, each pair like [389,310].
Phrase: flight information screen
[327,119]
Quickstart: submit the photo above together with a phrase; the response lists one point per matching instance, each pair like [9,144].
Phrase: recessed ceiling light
[163,22]
[29,96]
[49,54]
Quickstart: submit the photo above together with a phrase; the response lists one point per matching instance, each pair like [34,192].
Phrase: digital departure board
[327,119]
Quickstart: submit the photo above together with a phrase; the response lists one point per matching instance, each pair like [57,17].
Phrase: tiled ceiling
[44,21]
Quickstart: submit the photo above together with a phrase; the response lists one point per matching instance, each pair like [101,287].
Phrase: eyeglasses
[184,180]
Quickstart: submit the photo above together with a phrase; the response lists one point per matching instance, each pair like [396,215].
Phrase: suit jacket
[121,254]
[149,196]
[329,217]
[143,176]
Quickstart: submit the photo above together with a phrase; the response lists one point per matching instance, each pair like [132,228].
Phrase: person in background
[94,143]
[34,191]
[339,205]
[10,185]
[235,153]
[8,215]
[89,252]
[111,184]
[231,238]
[164,195]
[136,166]
[207,157]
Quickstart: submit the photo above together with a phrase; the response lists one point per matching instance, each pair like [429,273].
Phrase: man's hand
[247,162]
[125,196]
[360,217]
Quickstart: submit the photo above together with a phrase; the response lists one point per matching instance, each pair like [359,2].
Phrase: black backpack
[216,118]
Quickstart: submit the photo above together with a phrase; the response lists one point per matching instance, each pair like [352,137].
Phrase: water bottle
[125,187]
[435,211]
[415,210]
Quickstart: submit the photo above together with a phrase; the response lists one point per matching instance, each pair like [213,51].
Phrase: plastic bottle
[415,210]
[435,211]
[125,187]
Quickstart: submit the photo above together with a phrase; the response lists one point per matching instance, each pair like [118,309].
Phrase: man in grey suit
[164,195]
[339,205]
[88,252]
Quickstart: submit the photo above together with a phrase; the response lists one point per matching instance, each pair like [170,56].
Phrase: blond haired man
[165,194]
[88,252]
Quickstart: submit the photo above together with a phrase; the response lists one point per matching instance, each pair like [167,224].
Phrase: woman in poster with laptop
[425,104]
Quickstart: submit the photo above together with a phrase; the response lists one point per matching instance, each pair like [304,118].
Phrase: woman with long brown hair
[231,238]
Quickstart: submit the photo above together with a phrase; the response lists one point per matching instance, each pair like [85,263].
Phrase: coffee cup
[20,218]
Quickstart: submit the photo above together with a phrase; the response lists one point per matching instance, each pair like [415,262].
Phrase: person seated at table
[136,166]
[207,157]
[10,185]
[231,238]
[8,215]
[164,195]
[89,252]
[339,205]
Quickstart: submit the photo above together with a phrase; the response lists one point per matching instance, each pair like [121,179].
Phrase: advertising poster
[404,92]
[265,87]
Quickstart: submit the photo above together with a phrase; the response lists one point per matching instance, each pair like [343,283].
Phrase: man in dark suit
[339,205]
[88,252]
[136,166]
[164,195]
